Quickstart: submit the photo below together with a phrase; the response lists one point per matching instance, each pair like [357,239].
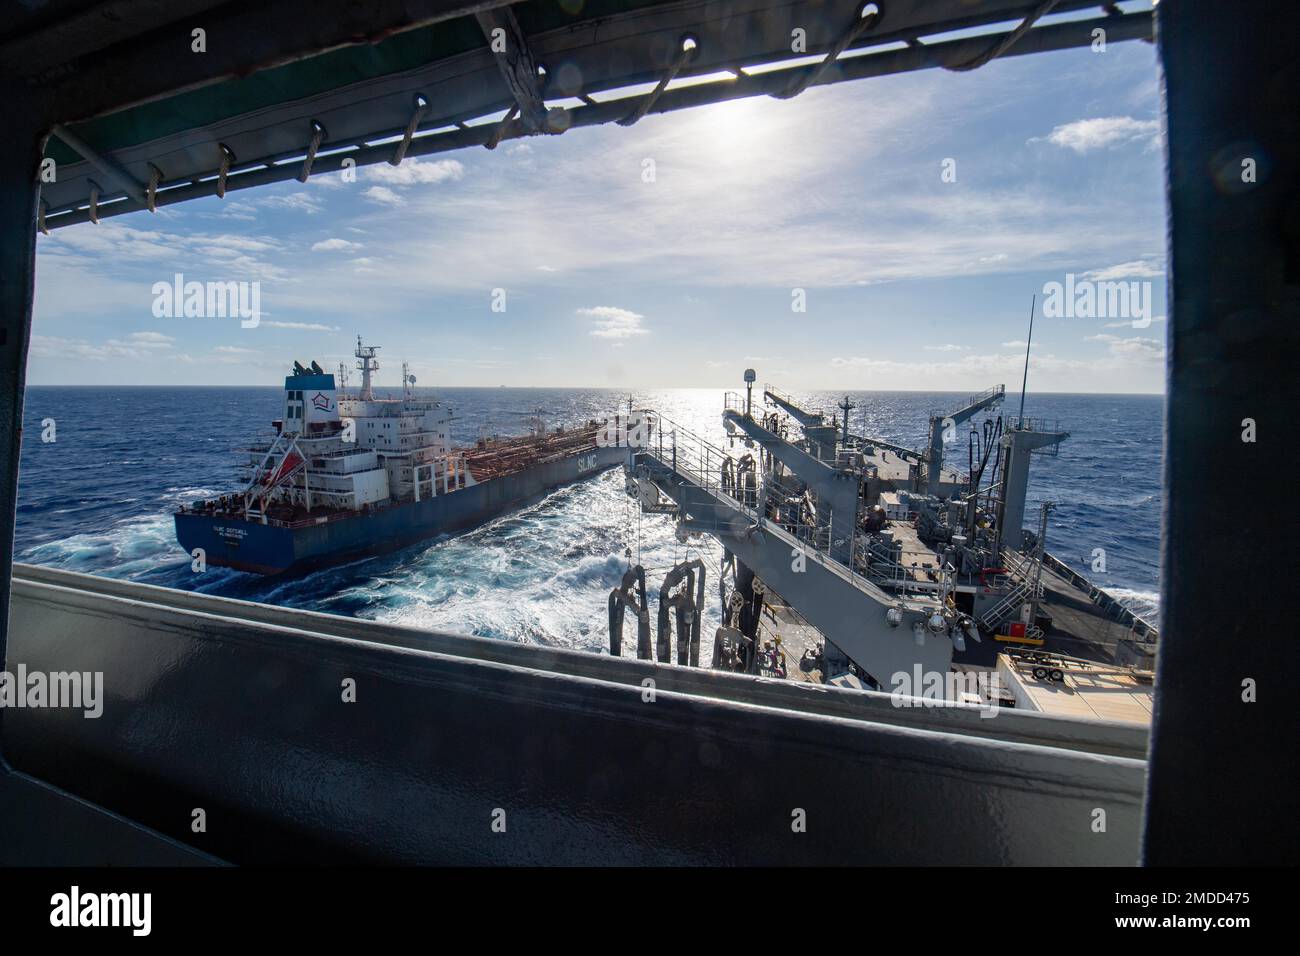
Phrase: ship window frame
[1180,39]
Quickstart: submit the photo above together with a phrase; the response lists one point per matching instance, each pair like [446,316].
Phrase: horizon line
[604,388]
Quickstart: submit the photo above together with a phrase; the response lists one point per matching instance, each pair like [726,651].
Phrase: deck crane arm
[803,417]
[819,432]
[836,489]
[941,424]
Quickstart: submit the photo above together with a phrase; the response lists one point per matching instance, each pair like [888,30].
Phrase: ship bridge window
[762,250]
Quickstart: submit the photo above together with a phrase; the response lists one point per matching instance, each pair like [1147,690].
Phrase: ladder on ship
[1028,571]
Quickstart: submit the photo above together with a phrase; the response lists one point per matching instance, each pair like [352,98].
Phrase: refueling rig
[896,560]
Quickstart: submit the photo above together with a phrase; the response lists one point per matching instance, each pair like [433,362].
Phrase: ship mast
[847,406]
[367,364]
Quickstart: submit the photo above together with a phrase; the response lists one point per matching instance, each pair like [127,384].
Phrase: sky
[836,199]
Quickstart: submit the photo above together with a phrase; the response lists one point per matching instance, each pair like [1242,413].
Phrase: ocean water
[100,497]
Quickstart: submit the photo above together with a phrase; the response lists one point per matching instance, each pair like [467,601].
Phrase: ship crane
[836,490]
[943,428]
[820,435]
[882,633]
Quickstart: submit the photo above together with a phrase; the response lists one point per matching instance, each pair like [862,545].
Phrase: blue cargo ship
[346,477]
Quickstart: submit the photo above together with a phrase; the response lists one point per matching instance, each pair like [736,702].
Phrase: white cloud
[246,208]
[709,218]
[1106,132]
[335,245]
[299,202]
[1114,372]
[112,247]
[301,326]
[218,252]
[243,211]
[945,348]
[328,180]
[1136,347]
[139,345]
[243,243]
[1016,344]
[1138,269]
[414,171]
[613,322]
[1128,323]
[153,340]
[384,195]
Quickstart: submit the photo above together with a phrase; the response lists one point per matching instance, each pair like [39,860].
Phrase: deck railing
[700,463]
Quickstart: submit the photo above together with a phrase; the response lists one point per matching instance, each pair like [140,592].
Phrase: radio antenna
[1033,305]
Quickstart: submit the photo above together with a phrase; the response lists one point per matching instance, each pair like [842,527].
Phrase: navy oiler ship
[349,477]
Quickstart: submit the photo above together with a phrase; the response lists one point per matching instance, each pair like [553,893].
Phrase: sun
[737,133]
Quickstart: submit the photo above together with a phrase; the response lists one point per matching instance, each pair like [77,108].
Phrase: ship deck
[496,457]
[489,459]
[1080,628]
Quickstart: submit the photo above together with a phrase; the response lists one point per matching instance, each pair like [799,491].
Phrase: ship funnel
[310,400]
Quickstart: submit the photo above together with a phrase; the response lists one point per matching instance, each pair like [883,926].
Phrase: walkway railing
[704,467]
[1140,627]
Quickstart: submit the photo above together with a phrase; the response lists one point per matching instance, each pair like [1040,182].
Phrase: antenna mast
[846,405]
[1033,305]
[367,364]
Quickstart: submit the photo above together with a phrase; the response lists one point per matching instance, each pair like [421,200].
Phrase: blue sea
[100,497]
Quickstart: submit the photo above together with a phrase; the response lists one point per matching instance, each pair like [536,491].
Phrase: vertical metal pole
[1225,721]
[1024,382]
[19,193]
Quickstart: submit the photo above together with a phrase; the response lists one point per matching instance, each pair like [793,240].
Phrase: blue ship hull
[271,549]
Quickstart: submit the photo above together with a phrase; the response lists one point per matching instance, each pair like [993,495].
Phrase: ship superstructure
[335,453]
[875,560]
[345,476]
